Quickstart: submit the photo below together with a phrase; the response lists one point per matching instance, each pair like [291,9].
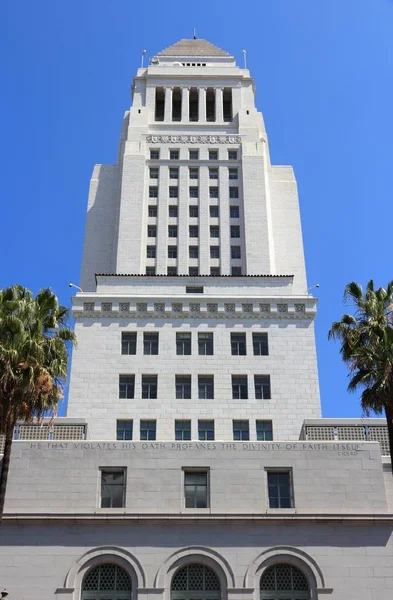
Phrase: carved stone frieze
[193,139]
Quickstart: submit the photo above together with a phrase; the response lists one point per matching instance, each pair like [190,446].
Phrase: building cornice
[204,518]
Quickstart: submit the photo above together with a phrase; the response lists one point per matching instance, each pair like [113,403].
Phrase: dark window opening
[176,104]
[210,104]
[193,104]
[160,104]
[227,104]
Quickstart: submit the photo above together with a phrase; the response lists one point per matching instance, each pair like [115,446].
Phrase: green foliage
[33,354]
[366,339]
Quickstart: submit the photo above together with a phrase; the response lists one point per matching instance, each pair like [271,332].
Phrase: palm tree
[33,361]
[367,348]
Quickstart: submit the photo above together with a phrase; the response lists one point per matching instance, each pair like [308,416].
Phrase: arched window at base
[106,582]
[195,582]
[284,582]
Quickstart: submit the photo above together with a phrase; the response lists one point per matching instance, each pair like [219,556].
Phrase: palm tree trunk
[389,419]
[9,434]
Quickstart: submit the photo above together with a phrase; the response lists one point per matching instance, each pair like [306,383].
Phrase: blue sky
[324,76]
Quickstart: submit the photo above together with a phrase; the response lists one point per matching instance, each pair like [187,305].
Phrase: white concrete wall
[97,363]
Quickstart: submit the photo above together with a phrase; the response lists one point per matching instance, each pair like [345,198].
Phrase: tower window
[124,430]
[227,104]
[172,211]
[126,386]
[174,154]
[193,251]
[280,488]
[171,271]
[153,191]
[193,154]
[205,387]
[183,344]
[151,231]
[205,430]
[196,495]
[262,387]
[213,173]
[235,231]
[193,105]
[152,211]
[264,431]
[232,154]
[173,192]
[172,251]
[235,252]
[215,271]
[150,343]
[150,270]
[238,344]
[241,430]
[182,431]
[213,154]
[205,344]
[128,342]
[260,344]
[236,271]
[148,430]
[173,173]
[194,211]
[183,387]
[214,251]
[176,104]
[151,252]
[239,387]
[214,211]
[234,212]
[113,487]
[213,192]
[194,192]
[149,386]
[154,154]
[234,192]
[160,104]
[153,173]
[193,231]
[194,173]
[172,231]
[210,104]
[233,174]
[214,231]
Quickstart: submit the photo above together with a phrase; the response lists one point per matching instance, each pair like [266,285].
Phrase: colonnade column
[168,104]
[202,104]
[185,104]
[219,105]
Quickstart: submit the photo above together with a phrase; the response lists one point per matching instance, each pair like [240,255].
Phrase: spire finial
[195,34]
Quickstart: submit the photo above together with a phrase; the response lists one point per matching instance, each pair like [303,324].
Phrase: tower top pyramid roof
[193,47]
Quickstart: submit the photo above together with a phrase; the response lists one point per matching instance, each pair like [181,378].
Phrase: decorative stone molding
[193,139]
[211,310]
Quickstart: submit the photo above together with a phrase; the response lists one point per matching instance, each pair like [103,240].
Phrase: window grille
[380,434]
[196,577]
[284,581]
[108,578]
[320,433]
[351,433]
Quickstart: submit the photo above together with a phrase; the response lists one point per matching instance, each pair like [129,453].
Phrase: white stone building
[194,464]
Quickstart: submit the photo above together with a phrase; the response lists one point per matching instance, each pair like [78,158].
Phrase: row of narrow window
[194,252]
[238,343]
[196,488]
[193,173]
[206,430]
[183,388]
[194,271]
[195,580]
[193,192]
[192,154]
[193,211]
[193,231]
[210,108]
